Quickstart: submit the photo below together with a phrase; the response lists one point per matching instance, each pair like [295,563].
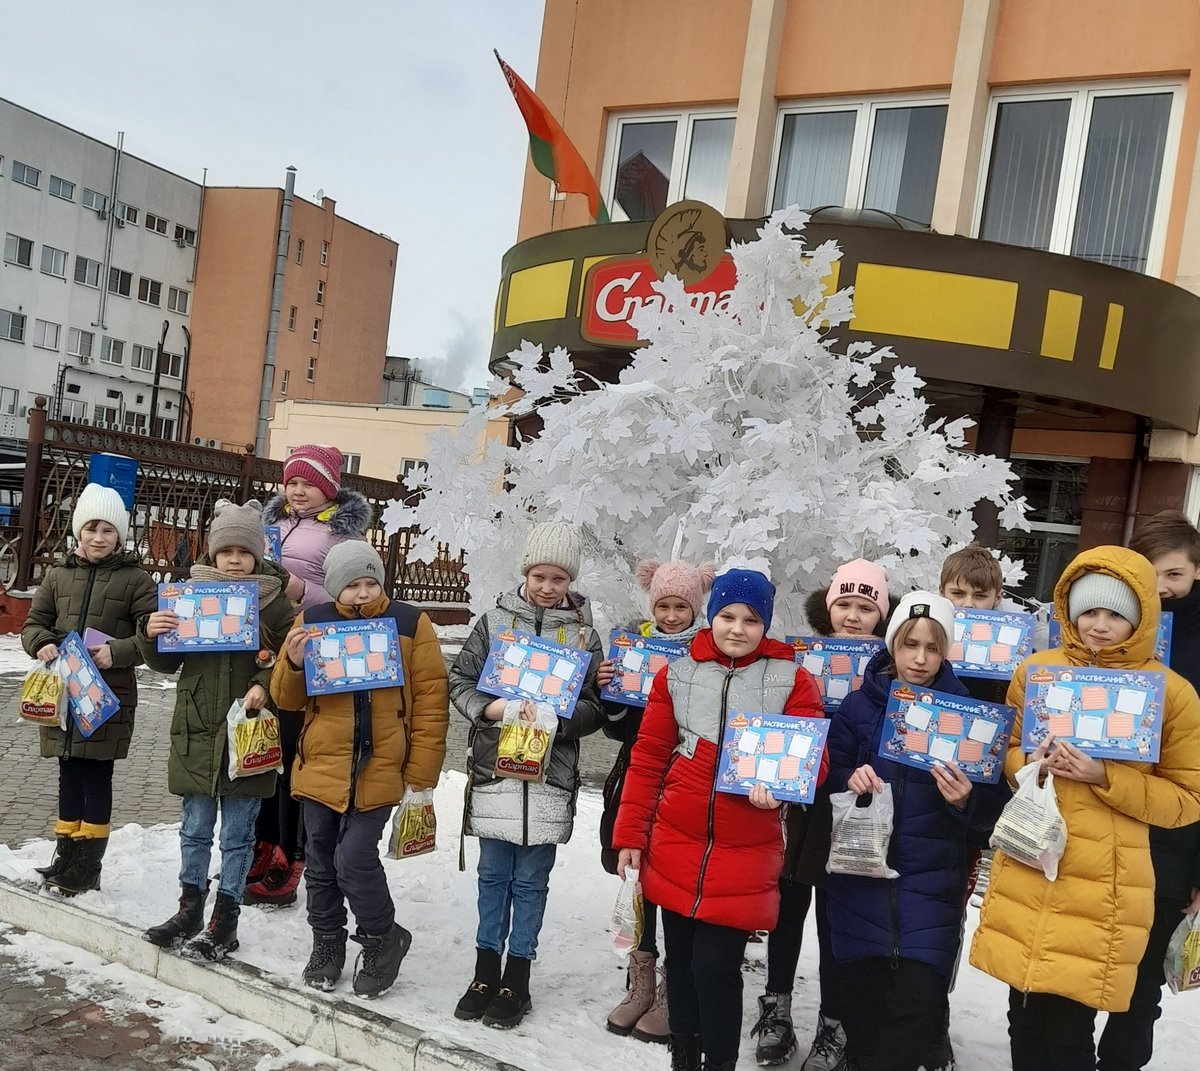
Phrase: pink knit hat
[675,579]
[319,465]
[862,578]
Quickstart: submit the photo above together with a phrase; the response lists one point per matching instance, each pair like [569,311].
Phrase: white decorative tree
[745,427]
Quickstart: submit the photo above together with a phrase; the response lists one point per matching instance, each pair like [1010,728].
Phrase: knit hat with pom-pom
[677,580]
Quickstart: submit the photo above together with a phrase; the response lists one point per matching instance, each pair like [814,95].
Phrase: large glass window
[1054,489]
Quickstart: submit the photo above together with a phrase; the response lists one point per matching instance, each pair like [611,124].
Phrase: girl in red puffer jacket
[710,860]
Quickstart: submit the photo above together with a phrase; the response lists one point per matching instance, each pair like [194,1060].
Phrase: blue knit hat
[743,585]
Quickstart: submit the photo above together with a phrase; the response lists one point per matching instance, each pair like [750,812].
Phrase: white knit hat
[1100,591]
[553,543]
[921,604]
[99,503]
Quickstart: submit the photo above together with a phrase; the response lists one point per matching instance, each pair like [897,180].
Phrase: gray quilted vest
[696,689]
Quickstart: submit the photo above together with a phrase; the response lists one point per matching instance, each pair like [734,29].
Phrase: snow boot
[185,923]
[219,938]
[486,983]
[380,960]
[639,995]
[278,888]
[267,857]
[724,1065]
[828,1052]
[325,963]
[653,1026]
[776,1038]
[82,872]
[64,847]
[685,1052]
[511,1002]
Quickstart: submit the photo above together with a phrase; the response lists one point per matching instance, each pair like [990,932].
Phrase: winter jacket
[209,682]
[361,749]
[1083,936]
[918,915]
[706,854]
[505,808]
[307,537]
[111,596]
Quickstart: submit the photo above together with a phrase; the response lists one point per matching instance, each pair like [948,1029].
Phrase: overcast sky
[396,109]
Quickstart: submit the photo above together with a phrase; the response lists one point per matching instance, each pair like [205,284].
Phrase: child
[314,514]
[198,765]
[361,750]
[1072,946]
[519,823]
[676,592]
[854,606]
[710,860]
[1127,1041]
[101,586]
[896,941]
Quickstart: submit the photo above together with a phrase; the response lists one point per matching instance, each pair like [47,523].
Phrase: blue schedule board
[924,728]
[521,665]
[836,663]
[990,643]
[1106,713]
[638,659]
[781,753]
[214,615]
[1162,645]
[273,540]
[89,698]
[352,656]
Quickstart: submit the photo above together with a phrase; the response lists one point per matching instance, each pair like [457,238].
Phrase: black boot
[479,993]
[724,1065]
[327,960]
[379,961]
[185,923]
[508,1007]
[219,938]
[82,870]
[64,848]
[685,1052]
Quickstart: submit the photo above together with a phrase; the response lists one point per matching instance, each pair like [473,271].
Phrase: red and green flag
[550,148]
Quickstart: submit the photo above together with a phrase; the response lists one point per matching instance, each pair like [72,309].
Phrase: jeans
[237,840]
[514,882]
[342,861]
[1049,1031]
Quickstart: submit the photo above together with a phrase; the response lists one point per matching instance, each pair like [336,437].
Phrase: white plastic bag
[254,745]
[414,826]
[861,835]
[1031,829]
[1182,963]
[628,917]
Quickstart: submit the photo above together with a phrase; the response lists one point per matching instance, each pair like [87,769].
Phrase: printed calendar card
[89,698]
[274,543]
[523,666]
[990,643]
[1162,645]
[352,656]
[214,615]
[638,658]
[779,752]
[837,664]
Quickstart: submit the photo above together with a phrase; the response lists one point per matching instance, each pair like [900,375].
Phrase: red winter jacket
[706,854]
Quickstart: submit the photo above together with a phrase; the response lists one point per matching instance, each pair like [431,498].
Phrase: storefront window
[1054,489]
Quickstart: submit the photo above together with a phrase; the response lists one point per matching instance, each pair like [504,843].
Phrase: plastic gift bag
[414,826]
[526,736]
[1182,965]
[628,917]
[43,699]
[1031,829]
[254,745]
[861,835]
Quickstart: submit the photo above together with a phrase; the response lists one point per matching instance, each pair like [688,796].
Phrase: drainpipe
[110,215]
[268,378]
[1134,491]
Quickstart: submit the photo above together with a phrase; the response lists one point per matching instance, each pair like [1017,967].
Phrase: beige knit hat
[99,503]
[553,543]
[237,526]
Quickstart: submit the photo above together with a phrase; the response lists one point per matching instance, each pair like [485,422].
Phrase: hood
[114,560]
[817,614]
[1138,573]
[878,680]
[704,649]
[348,514]
[649,628]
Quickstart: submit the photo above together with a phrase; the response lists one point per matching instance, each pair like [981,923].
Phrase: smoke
[463,364]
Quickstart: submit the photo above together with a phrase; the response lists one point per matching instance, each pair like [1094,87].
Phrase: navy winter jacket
[918,915]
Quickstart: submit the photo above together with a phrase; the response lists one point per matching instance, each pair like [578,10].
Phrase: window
[650,164]
[299,250]
[173,367]
[177,300]
[60,187]
[87,271]
[107,414]
[18,250]
[9,396]
[351,463]
[312,370]
[92,199]
[324,253]
[54,261]
[283,383]
[73,410]
[45,334]
[156,223]
[142,358]
[112,350]
[184,235]
[292,318]
[321,292]
[79,343]
[166,428]
[120,282]
[1055,489]
[126,212]
[316,334]
[25,175]
[12,326]
[149,291]
[135,422]
[1083,172]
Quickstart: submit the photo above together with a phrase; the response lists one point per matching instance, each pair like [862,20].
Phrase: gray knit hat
[348,562]
[553,543]
[237,526]
[99,503]
[1100,591]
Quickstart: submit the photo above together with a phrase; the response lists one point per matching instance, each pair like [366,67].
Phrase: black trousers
[783,946]
[1127,1041]
[894,1014]
[280,820]
[1050,1033]
[85,790]
[649,941]
[704,983]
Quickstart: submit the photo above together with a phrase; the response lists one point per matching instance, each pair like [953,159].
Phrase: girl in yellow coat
[1070,947]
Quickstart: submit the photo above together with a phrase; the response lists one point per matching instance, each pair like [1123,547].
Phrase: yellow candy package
[526,736]
[43,699]
[254,745]
[414,826]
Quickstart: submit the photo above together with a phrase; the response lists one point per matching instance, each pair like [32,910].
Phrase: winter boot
[278,888]
[828,1052]
[724,1065]
[267,857]
[511,1003]
[484,986]
[328,958]
[82,871]
[219,938]
[776,1038]
[639,995]
[685,1052]
[653,1025]
[185,923]
[379,962]
[64,845]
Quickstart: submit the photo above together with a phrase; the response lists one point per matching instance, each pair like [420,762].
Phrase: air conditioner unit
[199,440]
[181,241]
[215,443]
[119,221]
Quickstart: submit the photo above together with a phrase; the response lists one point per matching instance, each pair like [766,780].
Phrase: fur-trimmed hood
[349,513]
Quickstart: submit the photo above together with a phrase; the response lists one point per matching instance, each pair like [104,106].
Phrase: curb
[340,1029]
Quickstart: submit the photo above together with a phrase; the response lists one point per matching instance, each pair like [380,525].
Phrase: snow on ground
[576,981]
[13,658]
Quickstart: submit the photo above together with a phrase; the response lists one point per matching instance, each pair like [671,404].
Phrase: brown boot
[653,1025]
[639,982]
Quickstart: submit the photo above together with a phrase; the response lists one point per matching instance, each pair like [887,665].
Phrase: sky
[395,109]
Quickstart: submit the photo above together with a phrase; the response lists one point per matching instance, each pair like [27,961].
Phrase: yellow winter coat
[1083,936]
